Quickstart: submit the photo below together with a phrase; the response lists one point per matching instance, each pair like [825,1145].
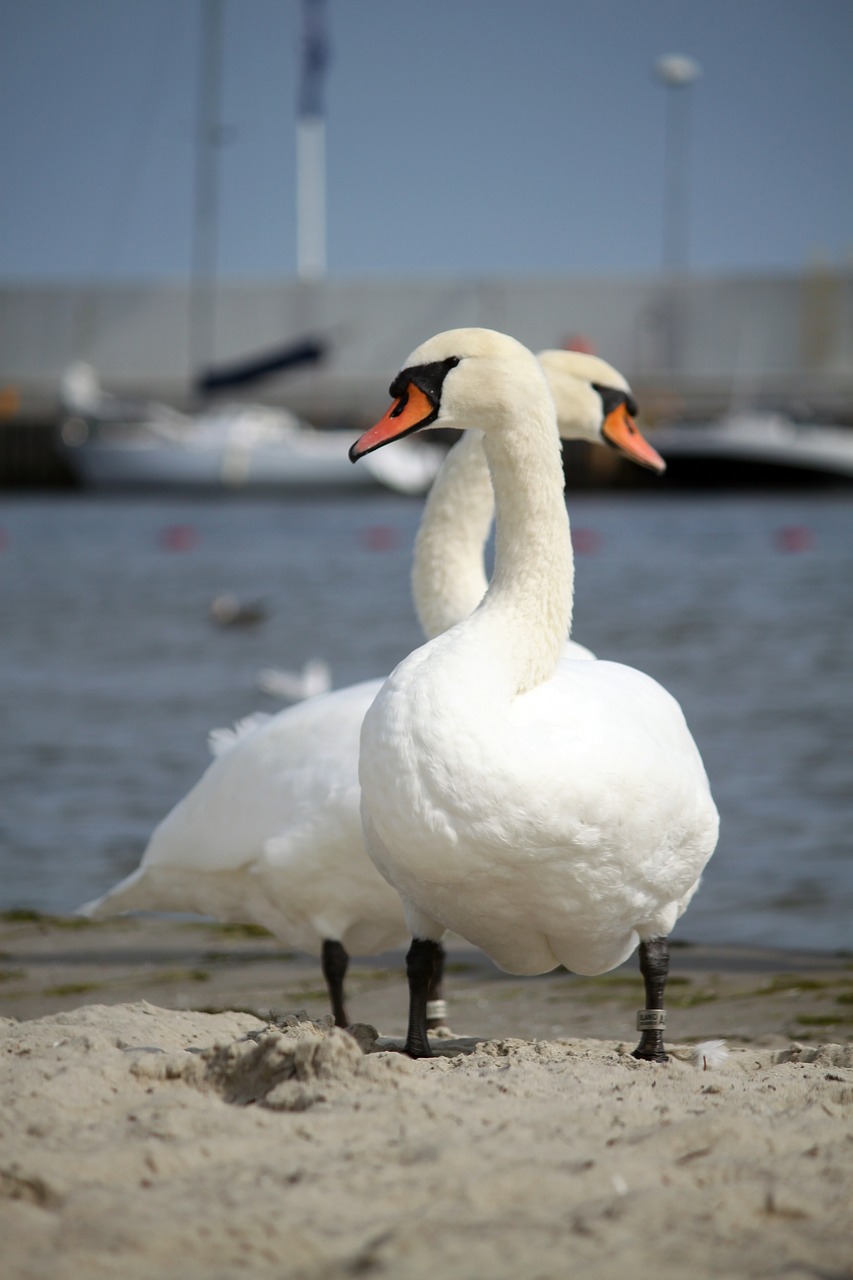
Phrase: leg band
[651,1019]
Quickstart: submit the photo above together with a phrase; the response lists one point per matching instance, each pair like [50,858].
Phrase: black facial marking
[611,399]
[402,401]
[429,378]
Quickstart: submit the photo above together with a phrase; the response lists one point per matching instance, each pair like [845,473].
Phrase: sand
[175,1103]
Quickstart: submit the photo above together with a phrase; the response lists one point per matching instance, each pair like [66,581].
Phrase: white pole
[311,198]
[311,145]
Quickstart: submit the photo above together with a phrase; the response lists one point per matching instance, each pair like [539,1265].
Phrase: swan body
[577,840]
[272,830]
[550,811]
[270,833]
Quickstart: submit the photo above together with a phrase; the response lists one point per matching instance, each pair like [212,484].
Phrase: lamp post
[677,73]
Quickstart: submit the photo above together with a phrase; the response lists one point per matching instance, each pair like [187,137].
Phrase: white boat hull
[103,465]
[762,439]
[245,447]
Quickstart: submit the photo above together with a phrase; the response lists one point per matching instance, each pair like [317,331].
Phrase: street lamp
[677,73]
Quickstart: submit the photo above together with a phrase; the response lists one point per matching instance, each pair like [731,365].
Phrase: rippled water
[112,672]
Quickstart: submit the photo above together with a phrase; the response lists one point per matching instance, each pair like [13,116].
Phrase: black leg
[654,966]
[420,965]
[436,1008]
[335,965]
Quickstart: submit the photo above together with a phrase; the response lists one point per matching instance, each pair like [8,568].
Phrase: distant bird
[227,610]
[314,679]
[271,832]
[550,811]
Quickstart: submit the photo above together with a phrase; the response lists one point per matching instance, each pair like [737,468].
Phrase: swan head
[594,402]
[461,378]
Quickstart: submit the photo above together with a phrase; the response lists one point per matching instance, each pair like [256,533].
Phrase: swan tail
[124,896]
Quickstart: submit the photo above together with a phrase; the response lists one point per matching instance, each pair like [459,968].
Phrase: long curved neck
[528,607]
[448,575]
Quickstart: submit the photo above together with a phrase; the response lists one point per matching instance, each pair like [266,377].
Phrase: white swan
[552,812]
[271,832]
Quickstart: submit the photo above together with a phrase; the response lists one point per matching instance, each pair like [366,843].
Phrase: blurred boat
[110,442]
[743,445]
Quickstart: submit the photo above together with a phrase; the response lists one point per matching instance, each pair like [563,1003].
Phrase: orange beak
[409,412]
[620,429]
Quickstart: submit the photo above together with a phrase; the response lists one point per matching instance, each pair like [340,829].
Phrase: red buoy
[795,537]
[178,537]
[585,541]
[379,537]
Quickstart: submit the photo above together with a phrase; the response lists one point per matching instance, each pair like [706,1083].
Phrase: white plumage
[271,832]
[710,1054]
[558,826]
[550,811]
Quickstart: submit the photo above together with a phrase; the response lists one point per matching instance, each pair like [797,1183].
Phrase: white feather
[219,741]
[710,1054]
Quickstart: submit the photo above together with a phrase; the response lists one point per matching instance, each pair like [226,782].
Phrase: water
[112,673]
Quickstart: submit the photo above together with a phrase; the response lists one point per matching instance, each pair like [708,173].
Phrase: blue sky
[465,137]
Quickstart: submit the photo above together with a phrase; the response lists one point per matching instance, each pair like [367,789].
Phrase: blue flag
[315,57]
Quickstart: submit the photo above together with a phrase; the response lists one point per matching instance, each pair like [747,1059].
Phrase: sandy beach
[175,1103]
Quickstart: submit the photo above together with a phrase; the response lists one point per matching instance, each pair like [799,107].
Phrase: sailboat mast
[205,244]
